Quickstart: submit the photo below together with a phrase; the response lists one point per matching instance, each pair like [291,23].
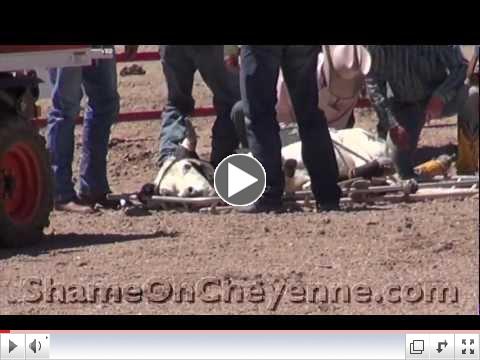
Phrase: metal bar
[164,200]
[138,116]
[141,56]
[404,188]
[385,198]
[186,201]
[430,196]
[449,184]
[456,177]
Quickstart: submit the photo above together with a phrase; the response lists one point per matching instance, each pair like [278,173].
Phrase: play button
[11,346]
[240,180]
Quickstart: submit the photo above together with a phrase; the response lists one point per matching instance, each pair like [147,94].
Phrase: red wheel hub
[22,182]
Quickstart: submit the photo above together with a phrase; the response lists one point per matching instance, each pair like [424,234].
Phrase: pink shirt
[337,111]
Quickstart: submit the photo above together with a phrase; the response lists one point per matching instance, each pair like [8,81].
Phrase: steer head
[185,175]
[185,178]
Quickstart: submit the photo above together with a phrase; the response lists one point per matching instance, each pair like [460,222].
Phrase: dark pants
[180,62]
[258,80]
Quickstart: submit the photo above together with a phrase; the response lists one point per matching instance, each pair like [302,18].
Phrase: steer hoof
[147,190]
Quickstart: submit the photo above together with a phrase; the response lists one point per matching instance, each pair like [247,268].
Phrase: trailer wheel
[26,183]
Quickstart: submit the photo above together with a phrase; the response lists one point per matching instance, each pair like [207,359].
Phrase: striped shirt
[414,73]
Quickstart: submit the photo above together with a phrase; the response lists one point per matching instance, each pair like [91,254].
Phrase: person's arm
[452,57]
[377,92]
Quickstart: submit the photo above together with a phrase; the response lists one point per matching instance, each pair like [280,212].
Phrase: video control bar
[231,345]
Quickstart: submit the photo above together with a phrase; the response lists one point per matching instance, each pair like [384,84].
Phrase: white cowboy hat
[345,68]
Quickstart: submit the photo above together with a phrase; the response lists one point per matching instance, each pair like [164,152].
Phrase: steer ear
[207,171]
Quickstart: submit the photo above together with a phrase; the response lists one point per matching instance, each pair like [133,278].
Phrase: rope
[343,147]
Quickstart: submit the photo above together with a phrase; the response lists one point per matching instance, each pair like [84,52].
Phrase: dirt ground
[413,246]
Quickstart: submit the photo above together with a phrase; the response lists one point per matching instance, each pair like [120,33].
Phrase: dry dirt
[423,245]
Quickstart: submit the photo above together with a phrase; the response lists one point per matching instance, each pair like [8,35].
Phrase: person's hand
[400,137]
[131,51]
[434,109]
[231,62]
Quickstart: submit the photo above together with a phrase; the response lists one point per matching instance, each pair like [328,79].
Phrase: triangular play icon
[11,346]
[238,180]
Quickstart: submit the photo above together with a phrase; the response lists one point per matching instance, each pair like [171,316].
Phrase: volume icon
[35,346]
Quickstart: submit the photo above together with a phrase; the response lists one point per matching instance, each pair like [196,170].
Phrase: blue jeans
[412,118]
[260,67]
[99,82]
[180,62]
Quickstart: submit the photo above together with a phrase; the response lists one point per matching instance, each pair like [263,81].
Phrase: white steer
[187,177]
[358,141]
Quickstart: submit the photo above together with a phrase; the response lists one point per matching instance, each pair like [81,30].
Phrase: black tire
[14,130]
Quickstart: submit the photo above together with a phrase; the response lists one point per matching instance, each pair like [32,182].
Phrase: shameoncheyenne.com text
[219,290]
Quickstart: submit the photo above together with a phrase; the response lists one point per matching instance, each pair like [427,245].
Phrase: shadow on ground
[71,242]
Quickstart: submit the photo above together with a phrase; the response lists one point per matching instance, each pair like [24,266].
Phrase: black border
[241,23]
[240,322]
[244,22]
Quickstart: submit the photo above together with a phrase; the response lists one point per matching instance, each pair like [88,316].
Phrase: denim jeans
[99,82]
[260,67]
[180,62]
[412,118]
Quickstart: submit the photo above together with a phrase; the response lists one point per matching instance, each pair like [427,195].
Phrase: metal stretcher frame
[456,187]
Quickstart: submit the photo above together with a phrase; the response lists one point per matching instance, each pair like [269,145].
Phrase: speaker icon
[35,346]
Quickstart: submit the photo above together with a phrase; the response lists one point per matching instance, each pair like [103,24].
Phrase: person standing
[99,82]
[259,71]
[180,62]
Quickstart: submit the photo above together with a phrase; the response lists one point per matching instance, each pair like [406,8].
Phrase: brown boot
[75,206]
